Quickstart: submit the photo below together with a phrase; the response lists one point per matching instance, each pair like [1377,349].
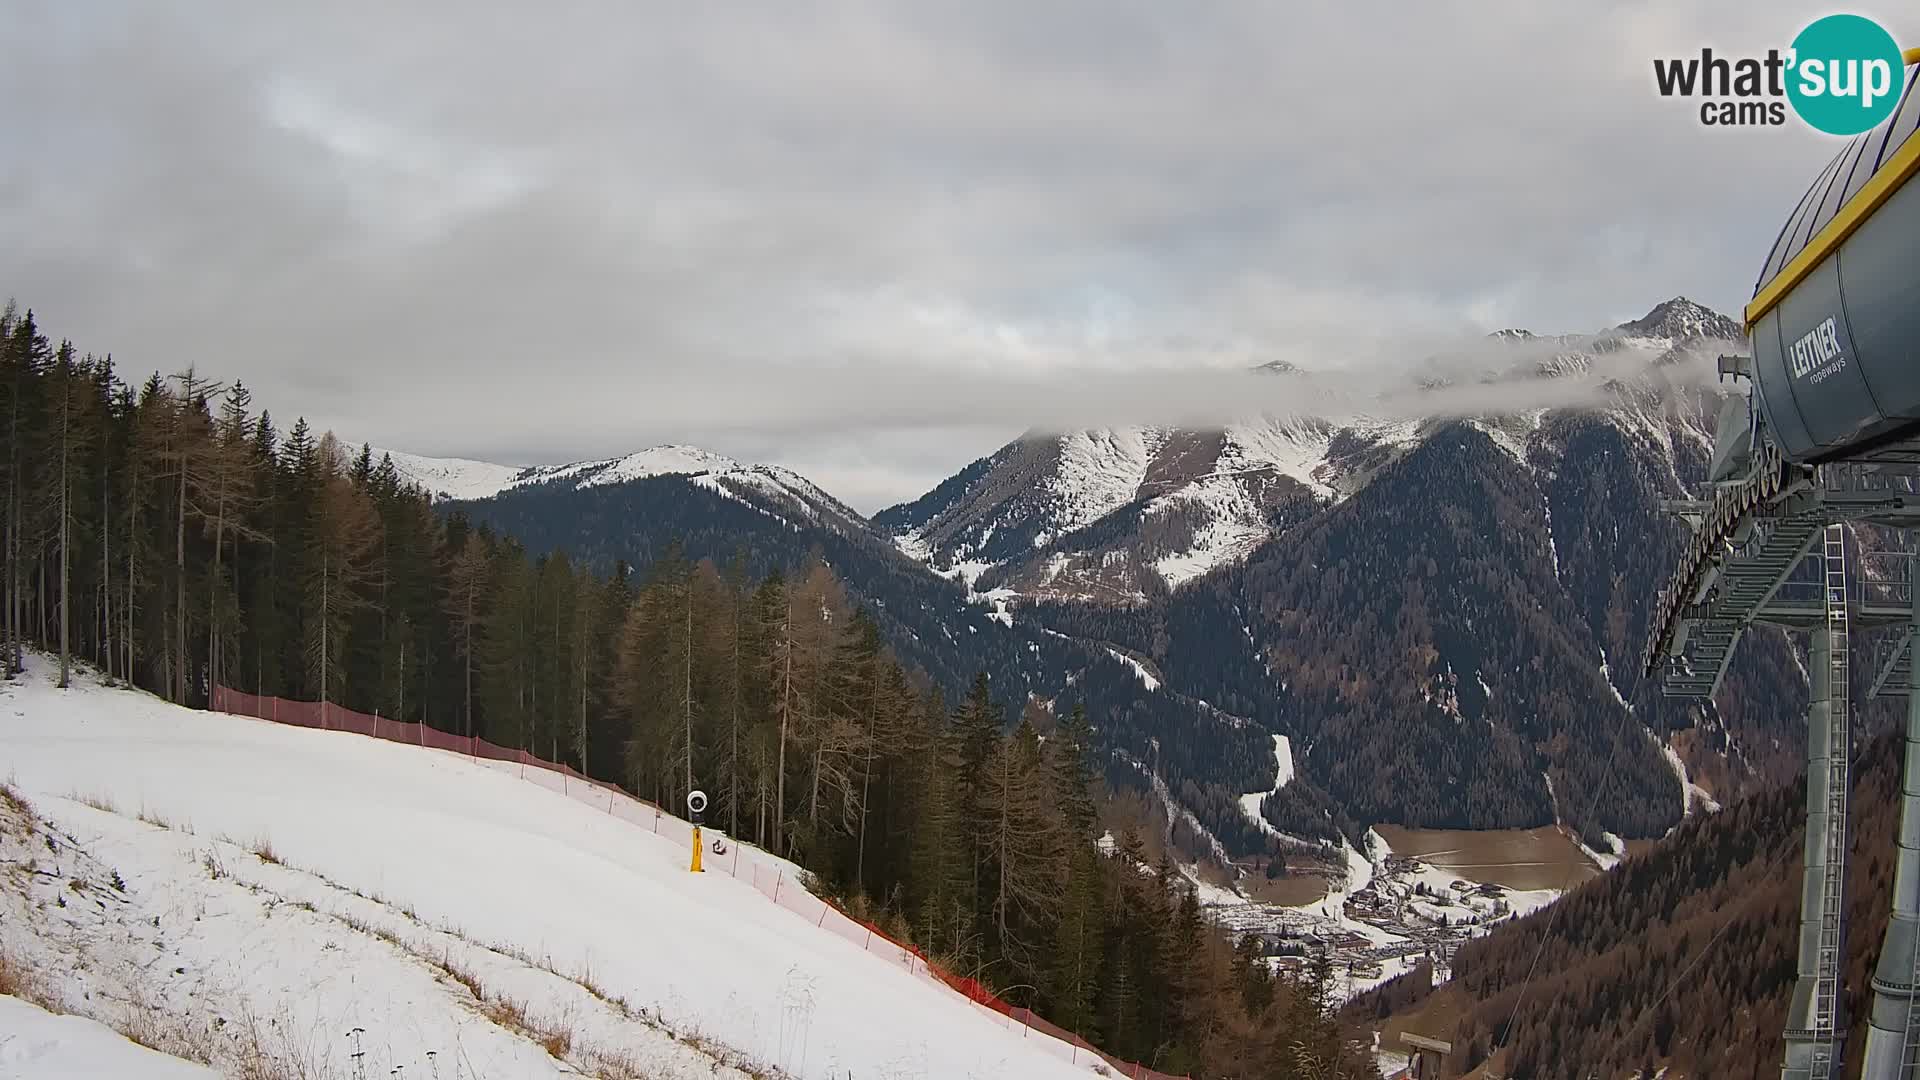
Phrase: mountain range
[1424,587]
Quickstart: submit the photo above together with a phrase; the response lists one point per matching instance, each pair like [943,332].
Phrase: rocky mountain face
[1441,611]
[1443,614]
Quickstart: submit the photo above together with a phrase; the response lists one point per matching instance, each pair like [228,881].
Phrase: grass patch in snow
[98,802]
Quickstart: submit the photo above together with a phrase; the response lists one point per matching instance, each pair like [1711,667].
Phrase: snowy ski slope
[448,857]
[37,1045]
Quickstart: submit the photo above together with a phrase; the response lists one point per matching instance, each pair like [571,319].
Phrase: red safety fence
[766,872]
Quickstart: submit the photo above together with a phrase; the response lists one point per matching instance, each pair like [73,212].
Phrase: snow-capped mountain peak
[773,489]
[1121,513]
[466,479]
[1681,319]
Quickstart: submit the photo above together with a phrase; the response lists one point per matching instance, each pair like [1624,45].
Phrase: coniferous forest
[173,536]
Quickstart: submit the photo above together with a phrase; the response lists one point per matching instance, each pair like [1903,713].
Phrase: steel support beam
[1816,1021]
[1893,1027]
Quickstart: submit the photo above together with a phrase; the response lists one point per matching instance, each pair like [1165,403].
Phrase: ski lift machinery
[1826,441]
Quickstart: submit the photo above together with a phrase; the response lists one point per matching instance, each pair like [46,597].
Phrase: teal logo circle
[1844,75]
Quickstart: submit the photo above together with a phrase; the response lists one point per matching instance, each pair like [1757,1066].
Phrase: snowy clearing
[393,875]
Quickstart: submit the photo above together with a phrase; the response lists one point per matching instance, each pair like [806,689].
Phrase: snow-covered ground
[401,881]
[39,1045]
[1283,772]
[1146,677]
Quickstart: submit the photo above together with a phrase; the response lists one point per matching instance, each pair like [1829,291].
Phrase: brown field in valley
[1541,858]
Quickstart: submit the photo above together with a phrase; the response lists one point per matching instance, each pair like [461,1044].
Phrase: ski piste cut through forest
[174,537]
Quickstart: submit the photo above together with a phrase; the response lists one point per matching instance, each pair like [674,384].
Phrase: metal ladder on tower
[1832,953]
[1910,1039]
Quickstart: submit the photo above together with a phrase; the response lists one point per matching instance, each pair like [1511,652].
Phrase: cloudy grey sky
[790,232]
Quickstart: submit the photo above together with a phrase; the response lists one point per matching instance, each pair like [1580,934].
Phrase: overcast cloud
[870,241]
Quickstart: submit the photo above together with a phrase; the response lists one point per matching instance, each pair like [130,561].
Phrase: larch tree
[71,433]
[466,592]
[1024,843]
[339,566]
[228,494]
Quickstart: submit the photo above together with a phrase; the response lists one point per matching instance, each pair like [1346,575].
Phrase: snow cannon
[696,806]
[1835,316]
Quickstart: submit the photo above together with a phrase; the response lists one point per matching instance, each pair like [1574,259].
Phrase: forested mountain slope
[1206,758]
[1681,957]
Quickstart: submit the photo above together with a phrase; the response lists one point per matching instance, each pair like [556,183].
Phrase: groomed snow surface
[45,1046]
[401,881]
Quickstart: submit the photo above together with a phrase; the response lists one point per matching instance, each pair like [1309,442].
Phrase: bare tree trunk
[813,794]
[786,712]
[686,675]
[133,509]
[213,586]
[13,532]
[180,587]
[468,619]
[866,778]
[1006,846]
[106,574]
[66,578]
[733,766]
[325,558]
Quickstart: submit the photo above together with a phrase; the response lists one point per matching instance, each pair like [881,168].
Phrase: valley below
[1512,858]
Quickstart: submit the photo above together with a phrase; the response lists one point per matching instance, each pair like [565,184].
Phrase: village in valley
[1388,915]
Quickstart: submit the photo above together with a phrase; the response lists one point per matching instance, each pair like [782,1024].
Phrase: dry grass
[556,1041]
[11,798]
[505,1012]
[17,981]
[464,977]
[99,802]
[262,848]
[160,821]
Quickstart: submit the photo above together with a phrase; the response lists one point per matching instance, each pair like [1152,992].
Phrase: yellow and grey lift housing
[1831,435]
[1835,317]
